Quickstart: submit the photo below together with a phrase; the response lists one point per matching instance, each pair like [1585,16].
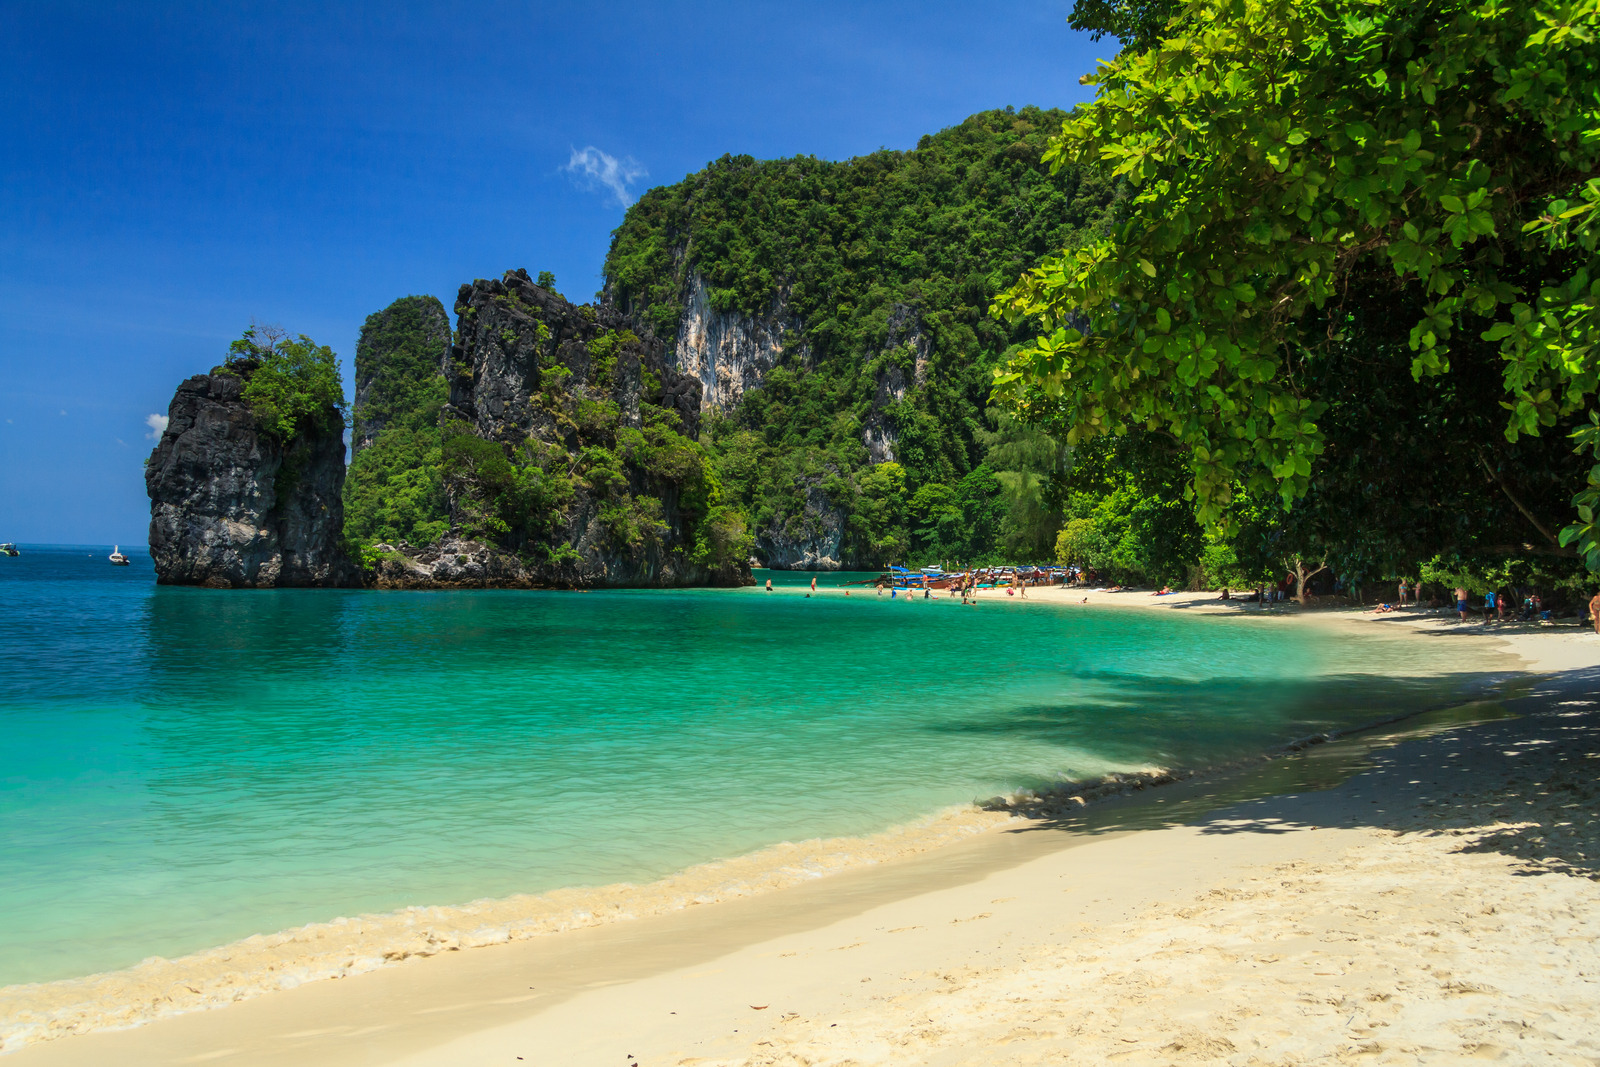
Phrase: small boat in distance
[9,549]
[117,558]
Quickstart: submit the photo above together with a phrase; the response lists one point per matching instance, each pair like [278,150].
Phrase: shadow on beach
[1203,722]
[1518,776]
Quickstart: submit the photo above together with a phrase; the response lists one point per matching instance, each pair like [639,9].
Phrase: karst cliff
[233,506]
[568,455]
[836,315]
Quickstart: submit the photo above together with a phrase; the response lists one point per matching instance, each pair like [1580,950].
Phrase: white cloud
[157,424]
[594,169]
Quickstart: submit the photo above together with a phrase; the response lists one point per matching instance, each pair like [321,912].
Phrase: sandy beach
[1426,892]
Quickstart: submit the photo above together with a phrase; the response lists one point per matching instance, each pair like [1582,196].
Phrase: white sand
[1436,908]
[1439,908]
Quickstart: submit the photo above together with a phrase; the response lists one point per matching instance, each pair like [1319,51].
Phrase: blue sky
[169,172]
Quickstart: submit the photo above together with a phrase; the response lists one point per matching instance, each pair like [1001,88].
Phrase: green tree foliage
[1412,468]
[1138,24]
[1585,533]
[874,256]
[1126,513]
[290,385]
[1030,466]
[393,490]
[1289,157]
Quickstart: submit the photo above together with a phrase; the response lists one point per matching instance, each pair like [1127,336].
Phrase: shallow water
[185,767]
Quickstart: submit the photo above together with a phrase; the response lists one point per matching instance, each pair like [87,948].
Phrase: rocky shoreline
[454,562]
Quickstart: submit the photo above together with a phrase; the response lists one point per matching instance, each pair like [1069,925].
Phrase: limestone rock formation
[398,357]
[906,350]
[450,563]
[594,477]
[232,507]
[392,490]
[728,352]
[808,540]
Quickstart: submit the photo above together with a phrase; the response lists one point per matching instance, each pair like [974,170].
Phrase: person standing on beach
[1500,606]
[1488,606]
[1402,598]
[1461,602]
[1594,612]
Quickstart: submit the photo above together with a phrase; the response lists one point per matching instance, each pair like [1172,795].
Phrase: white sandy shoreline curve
[159,988]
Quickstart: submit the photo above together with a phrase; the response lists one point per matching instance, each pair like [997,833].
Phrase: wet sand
[1435,905]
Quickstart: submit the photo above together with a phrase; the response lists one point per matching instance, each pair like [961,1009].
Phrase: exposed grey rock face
[537,375]
[451,563]
[807,541]
[231,507]
[728,352]
[906,350]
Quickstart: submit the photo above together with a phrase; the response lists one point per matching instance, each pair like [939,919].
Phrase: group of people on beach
[1497,605]
[966,586]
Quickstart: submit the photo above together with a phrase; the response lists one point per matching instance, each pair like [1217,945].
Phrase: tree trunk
[1303,573]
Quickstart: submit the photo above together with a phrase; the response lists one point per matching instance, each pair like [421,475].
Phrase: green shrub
[290,385]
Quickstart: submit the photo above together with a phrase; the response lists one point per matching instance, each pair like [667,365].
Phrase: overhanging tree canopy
[1288,154]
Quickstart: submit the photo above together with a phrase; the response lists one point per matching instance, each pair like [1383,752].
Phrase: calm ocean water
[183,768]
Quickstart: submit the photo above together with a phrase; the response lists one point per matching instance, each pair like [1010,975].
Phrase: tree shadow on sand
[1518,776]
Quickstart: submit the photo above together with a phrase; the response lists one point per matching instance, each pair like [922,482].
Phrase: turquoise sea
[183,767]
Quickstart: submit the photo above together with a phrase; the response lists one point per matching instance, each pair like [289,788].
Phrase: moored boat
[117,558]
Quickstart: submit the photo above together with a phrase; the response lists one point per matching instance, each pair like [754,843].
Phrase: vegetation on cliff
[394,490]
[568,439]
[290,384]
[887,263]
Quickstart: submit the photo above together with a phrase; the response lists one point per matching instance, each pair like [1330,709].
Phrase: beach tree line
[1351,297]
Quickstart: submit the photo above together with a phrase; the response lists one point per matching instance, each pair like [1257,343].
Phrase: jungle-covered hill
[878,272]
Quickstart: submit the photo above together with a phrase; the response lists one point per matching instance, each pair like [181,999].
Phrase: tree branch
[1504,488]
[1531,550]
